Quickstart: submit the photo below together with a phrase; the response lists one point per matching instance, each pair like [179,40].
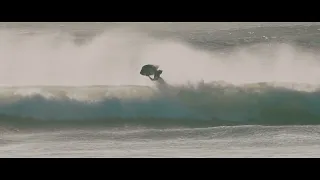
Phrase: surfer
[149,69]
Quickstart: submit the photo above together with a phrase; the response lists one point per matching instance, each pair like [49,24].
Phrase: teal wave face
[203,105]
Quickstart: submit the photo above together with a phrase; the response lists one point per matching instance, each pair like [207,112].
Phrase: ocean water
[227,90]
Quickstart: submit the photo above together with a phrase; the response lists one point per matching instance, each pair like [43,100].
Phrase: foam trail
[115,58]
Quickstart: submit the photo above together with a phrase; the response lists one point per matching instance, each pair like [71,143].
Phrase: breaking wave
[50,78]
[189,105]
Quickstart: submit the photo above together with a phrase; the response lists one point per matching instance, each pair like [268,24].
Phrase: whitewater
[227,90]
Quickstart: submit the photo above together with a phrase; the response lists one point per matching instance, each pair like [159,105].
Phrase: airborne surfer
[149,69]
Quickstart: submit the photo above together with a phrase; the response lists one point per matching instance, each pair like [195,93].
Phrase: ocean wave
[204,104]
[206,86]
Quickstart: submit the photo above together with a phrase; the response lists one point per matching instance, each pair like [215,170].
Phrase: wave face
[243,76]
[201,105]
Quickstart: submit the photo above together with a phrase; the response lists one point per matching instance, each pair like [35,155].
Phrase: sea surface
[227,90]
